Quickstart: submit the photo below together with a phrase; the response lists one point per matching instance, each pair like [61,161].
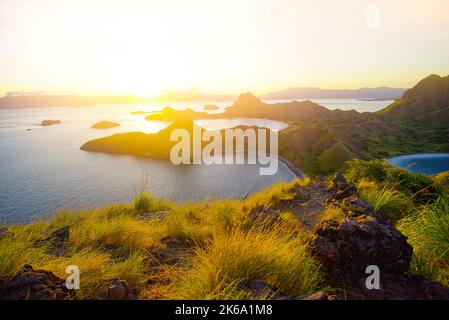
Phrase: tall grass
[387,199]
[428,232]
[221,269]
[146,203]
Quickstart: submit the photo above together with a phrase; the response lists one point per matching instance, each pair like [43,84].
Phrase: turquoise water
[426,163]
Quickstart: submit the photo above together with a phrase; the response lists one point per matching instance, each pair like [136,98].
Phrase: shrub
[419,187]
[146,203]
[386,200]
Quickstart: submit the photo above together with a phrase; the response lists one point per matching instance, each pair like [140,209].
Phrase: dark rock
[4,232]
[317,296]
[355,206]
[327,249]
[58,237]
[341,189]
[30,284]
[321,180]
[320,296]
[172,242]
[259,288]
[56,241]
[361,241]
[339,181]
[395,286]
[120,290]
[262,214]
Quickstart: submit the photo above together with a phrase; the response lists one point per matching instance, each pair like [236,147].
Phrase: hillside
[307,240]
[426,104]
[319,140]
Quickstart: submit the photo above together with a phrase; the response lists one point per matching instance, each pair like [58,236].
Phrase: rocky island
[210,107]
[105,125]
[49,122]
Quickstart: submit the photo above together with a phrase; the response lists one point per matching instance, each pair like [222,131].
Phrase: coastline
[297,172]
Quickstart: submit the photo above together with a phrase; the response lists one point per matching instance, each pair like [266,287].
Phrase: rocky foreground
[345,245]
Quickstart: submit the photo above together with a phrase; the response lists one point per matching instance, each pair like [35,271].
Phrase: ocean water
[425,163]
[43,170]
[347,104]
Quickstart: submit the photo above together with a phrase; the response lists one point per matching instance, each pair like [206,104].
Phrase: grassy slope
[418,204]
[218,248]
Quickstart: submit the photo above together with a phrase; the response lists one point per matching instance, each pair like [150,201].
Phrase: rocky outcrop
[120,290]
[57,241]
[350,245]
[30,284]
[365,238]
[259,289]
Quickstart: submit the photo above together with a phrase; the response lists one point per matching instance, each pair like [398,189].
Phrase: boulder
[259,288]
[350,245]
[30,284]
[56,241]
[347,246]
[340,188]
[120,290]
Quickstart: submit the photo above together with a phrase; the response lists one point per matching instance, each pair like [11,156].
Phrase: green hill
[426,104]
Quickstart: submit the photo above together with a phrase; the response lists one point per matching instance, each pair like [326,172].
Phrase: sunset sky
[95,47]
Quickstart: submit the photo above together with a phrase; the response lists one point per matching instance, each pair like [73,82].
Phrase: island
[49,122]
[210,107]
[159,145]
[105,125]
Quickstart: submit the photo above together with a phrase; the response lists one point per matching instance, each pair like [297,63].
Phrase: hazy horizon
[143,48]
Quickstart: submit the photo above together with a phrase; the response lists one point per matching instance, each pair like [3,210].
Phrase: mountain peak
[247,99]
[427,103]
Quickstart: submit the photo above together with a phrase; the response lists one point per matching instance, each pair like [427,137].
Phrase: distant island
[210,107]
[50,122]
[105,125]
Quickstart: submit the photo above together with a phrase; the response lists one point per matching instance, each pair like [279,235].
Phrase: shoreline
[297,172]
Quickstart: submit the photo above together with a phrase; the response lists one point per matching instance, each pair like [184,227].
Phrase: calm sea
[43,170]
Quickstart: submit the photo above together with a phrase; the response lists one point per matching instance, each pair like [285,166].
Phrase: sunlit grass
[386,199]
[428,232]
[220,270]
